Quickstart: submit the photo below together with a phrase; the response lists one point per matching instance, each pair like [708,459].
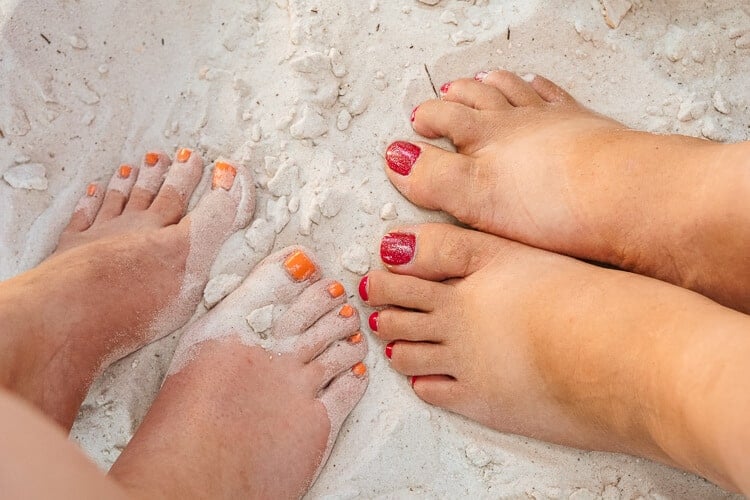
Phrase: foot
[535,166]
[534,343]
[257,391]
[129,269]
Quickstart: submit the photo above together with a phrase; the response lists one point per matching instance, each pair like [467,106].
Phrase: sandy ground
[308,94]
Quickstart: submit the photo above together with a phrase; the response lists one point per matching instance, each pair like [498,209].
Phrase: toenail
[481,76]
[414,114]
[389,350]
[224,175]
[529,77]
[413,379]
[397,249]
[359,369]
[183,155]
[152,159]
[91,190]
[346,311]
[445,88]
[125,171]
[401,156]
[356,338]
[374,321]
[363,294]
[336,290]
[299,266]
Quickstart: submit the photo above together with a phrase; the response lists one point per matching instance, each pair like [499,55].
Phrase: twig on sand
[431,82]
[45,38]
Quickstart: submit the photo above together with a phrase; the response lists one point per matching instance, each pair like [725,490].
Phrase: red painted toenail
[125,171]
[389,350]
[397,249]
[401,156]
[91,190]
[481,76]
[445,88]
[151,159]
[374,321]
[413,379]
[363,288]
[414,114]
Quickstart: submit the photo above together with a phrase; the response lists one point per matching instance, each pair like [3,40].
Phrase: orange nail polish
[336,290]
[91,190]
[125,171]
[299,266]
[151,159]
[183,155]
[359,369]
[224,175]
[346,311]
[356,338]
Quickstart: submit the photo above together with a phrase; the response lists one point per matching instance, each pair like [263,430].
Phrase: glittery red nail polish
[374,321]
[397,249]
[401,156]
[413,114]
[389,350]
[363,288]
[413,379]
[446,86]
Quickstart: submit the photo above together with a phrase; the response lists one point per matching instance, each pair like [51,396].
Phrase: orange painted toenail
[299,266]
[183,155]
[91,190]
[152,159]
[347,311]
[336,290]
[359,369]
[125,171]
[356,338]
[224,175]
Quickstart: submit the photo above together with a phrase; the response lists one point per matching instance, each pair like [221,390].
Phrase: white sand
[308,94]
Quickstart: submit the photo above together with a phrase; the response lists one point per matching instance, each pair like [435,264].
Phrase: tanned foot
[129,269]
[535,166]
[257,391]
[530,342]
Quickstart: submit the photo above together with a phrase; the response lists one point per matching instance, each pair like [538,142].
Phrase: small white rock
[219,287]
[614,11]
[310,124]
[261,235]
[477,456]
[278,213]
[343,120]
[356,259]
[77,42]
[284,182]
[460,37]
[388,212]
[330,202]
[448,17]
[31,176]
[261,320]
[720,104]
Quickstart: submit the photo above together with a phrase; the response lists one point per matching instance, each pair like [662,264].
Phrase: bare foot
[257,391]
[530,342]
[129,269]
[535,166]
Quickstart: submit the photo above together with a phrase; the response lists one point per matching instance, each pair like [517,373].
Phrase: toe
[548,90]
[86,209]
[337,359]
[437,390]
[461,124]
[184,175]
[439,251]
[437,179]
[343,394]
[380,288]
[316,301]
[342,323]
[474,94]
[150,177]
[419,358]
[518,91]
[398,324]
[118,192]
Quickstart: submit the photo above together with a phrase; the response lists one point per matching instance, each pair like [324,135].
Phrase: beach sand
[308,94]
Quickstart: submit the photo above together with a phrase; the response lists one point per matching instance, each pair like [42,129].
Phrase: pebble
[310,125]
[343,120]
[77,42]
[477,456]
[285,180]
[278,213]
[691,110]
[448,17]
[388,212]
[460,37]
[356,259]
[30,176]
[614,11]
[219,287]
[330,202]
[261,320]
[261,235]
[720,104]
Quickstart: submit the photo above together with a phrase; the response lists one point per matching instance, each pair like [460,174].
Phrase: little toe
[337,359]
[86,209]
[118,192]
[343,394]
[439,252]
[437,118]
[549,91]
[437,179]
[470,92]
[516,90]
[419,358]
[438,390]
[381,288]
[183,177]
[399,324]
[150,177]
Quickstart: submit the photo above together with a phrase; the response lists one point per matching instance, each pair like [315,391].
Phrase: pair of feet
[261,383]
[532,342]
